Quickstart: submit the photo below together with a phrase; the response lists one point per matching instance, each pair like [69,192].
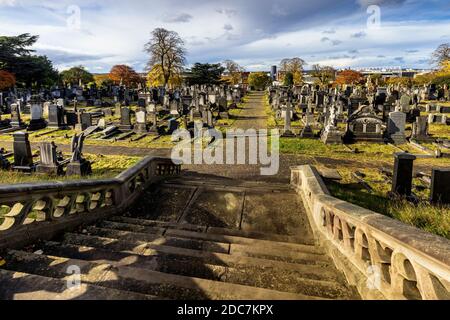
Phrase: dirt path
[254,115]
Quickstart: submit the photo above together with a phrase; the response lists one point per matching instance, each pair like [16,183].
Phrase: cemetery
[91,178]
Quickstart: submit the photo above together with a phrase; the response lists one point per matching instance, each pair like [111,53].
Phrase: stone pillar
[403,174]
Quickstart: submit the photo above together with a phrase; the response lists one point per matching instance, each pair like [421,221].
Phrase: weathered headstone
[56,117]
[37,121]
[23,158]
[403,174]
[440,186]
[141,122]
[78,166]
[396,127]
[49,160]
[420,130]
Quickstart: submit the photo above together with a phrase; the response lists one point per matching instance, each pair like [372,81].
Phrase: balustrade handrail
[399,260]
[41,210]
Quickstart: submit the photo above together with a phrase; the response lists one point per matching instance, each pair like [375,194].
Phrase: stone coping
[407,263]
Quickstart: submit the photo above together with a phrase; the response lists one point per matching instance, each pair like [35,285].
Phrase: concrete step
[211,266]
[108,231]
[23,286]
[213,231]
[141,280]
[263,250]
[322,281]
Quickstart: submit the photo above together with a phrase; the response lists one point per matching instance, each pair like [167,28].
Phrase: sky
[255,33]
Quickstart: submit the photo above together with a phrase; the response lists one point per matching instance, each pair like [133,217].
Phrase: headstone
[37,121]
[78,166]
[23,158]
[403,174]
[154,127]
[440,186]
[173,126]
[56,117]
[287,124]
[141,122]
[125,120]
[49,160]
[86,120]
[420,130]
[396,127]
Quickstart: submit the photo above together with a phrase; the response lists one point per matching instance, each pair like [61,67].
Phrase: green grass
[433,219]
[102,167]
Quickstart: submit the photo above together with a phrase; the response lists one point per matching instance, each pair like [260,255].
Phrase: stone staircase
[185,240]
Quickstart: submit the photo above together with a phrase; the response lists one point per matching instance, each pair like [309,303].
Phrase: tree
[16,57]
[205,73]
[77,75]
[259,80]
[350,77]
[122,74]
[7,80]
[166,49]
[294,66]
[289,79]
[155,78]
[324,74]
[234,71]
[441,54]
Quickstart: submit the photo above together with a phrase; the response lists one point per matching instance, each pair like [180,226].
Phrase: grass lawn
[102,167]
[433,219]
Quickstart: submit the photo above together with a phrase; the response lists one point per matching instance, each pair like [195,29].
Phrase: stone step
[108,231]
[23,286]
[253,248]
[143,281]
[304,279]
[221,234]
[185,263]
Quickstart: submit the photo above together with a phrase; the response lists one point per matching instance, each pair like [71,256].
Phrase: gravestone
[440,186]
[403,174]
[16,121]
[172,126]
[420,130]
[396,127]
[287,124]
[23,158]
[405,103]
[78,166]
[154,127]
[37,121]
[56,117]
[86,120]
[125,120]
[107,112]
[49,160]
[307,131]
[45,108]
[141,122]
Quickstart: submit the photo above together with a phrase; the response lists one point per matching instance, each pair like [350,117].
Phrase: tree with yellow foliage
[155,77]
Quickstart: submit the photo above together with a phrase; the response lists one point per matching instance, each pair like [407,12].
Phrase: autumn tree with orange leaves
[125,75]
[7,80]
[350,77]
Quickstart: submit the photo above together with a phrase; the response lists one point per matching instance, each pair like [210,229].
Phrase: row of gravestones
[374,119]
[51,161]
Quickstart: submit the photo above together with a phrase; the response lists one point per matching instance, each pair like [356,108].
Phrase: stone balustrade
[384,258]
[43,210]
